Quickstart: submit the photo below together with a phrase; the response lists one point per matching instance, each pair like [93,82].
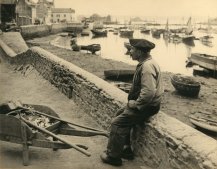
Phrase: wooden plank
[54,126]
[40,143]
[25,145]
[53,144]
[75,132]
[12,139]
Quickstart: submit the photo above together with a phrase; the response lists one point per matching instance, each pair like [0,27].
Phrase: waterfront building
[43,11]
[21,12]
[25,12]
[7,11]
[62,15]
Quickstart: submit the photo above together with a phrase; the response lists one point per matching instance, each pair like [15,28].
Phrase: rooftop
[62,10]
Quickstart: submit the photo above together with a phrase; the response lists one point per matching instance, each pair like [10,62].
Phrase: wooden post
[55,139]
[25,145]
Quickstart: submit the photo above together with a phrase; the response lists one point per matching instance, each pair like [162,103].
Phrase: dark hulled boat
[93,48]
[97,32]
[144,30]
[119,75]
[126,33]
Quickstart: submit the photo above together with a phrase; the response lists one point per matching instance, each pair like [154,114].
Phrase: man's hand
[121,110]
[132,104]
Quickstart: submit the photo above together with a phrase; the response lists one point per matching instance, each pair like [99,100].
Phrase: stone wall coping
[7,49]
[30,26]
[199,143]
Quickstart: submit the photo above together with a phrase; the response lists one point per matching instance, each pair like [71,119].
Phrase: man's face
[134,53]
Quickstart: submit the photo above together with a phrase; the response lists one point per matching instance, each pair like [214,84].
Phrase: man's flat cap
[142,44]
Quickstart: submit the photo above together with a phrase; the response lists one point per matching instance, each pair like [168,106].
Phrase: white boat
[98,25]
[203,60]
[205,120]
[207,39]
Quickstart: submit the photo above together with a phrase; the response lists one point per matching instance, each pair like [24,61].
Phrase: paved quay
[30,87]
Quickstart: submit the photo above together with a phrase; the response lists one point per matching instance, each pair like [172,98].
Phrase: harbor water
[171,57]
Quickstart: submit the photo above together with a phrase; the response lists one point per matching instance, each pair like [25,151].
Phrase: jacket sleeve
[148,87]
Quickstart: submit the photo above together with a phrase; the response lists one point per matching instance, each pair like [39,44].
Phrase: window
[64,15]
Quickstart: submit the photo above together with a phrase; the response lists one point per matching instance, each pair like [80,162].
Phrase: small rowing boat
[185,85]
[204,120]
[204,60]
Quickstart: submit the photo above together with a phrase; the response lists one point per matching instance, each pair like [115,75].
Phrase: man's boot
[110,160]
[127,153]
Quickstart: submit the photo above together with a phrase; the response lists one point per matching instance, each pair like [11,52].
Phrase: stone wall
[162,143]
[56,28]
[32,31]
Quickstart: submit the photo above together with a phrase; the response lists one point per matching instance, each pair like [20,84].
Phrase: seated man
[143,102]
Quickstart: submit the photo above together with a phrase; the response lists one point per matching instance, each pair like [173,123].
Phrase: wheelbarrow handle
[57,137]
[65,121]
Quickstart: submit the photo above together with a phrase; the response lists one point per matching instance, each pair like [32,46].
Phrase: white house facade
[62,15]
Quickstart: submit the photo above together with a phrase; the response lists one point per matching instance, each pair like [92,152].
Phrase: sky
[164,8]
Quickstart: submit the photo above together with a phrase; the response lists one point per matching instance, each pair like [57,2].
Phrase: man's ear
[140,52]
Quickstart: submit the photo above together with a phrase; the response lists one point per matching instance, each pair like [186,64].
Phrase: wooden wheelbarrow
[16,128]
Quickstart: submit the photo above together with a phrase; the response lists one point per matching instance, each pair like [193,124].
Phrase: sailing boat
[166,33]
[188,37]
[207,39]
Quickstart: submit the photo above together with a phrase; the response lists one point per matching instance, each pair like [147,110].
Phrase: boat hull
[185,85]
[99,33]
[126,33]
[204,120]
[119,75]
[205,61]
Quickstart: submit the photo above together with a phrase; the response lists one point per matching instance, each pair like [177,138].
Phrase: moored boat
[97,32]
[93,48]
[187,37]
[166,33]
[205,120]
[124,86]
[126,33]
[204,60]
[156,33]
[115,32]
[206,38]
[185,85]
[119,74]
[85,33]
[145,30]
[175,38]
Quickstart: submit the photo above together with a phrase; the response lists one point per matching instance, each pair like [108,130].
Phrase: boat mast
[189,27]
[208,27]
